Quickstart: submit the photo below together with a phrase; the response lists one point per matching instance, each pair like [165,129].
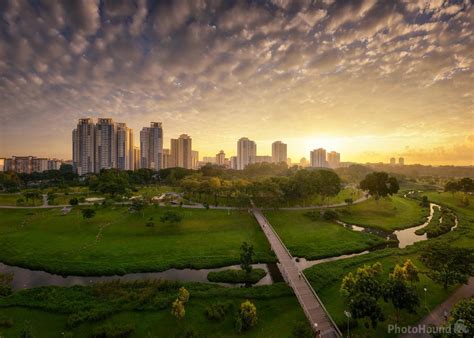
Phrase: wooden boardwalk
[309,300]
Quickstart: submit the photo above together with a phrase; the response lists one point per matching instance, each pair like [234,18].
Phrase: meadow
[117,241]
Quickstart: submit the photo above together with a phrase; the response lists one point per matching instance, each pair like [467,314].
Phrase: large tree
[246,254]
[448,265]
[379,184]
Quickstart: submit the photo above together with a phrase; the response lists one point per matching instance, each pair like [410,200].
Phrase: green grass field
[147,308]
[387,214]
[317,239]
[10,200]
[116,241]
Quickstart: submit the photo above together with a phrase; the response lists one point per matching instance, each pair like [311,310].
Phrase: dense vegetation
[236,276]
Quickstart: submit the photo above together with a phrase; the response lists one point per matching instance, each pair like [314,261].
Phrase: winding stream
[25,278]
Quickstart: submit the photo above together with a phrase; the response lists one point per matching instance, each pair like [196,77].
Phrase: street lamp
[348,315]
[425,289]
[316,329]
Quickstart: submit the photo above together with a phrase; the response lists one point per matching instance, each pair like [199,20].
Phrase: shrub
[312,215]
[171,217]
[217,311]
[6,280]
[236,276]
[302,330]
[6,322]
[246,317]
[74,201]
[329,215]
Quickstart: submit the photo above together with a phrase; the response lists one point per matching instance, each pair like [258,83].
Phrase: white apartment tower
[185,157]
[318,158]
[125,149]
[334,159]
[279,153]
[246,149]
[105,144]
[151,146]
[83,146]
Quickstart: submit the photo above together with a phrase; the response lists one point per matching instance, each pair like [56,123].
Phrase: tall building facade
[174,153]
[194,159]
[334,159]
[185,157]
[261,159]
[105,144]
[151,146]
[279,152]
[401,161]
[393,161]
[246,149]
[220,158]
[166,163]
[318,158]
[125,148]
[83,144]
[136,158]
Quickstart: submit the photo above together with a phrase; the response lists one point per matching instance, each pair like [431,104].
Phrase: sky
[370,79]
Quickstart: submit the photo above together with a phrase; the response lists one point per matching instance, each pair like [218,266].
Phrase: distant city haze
[371,80]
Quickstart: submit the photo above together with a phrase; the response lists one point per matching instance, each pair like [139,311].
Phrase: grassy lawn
[48,309]
[387,214]
[10,199]
[116,241]
[317,239]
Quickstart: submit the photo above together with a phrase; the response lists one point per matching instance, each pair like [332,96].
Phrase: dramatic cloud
[359,76]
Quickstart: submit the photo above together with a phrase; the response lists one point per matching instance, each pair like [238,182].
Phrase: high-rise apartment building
[136,158]
[125,149]
[151,146]
[174,153]
[166,162]
[185,156]
[318,158]
[393,161]
[401,161]
[279,153]
[334,159]
[194,159]
[261,159]
[246,149]
[233,162]
[105,144]
[83,146]
[220,158]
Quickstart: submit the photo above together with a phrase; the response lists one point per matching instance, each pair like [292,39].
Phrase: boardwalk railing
[290,281]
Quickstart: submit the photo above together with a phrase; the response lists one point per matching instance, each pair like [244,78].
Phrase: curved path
[320,320]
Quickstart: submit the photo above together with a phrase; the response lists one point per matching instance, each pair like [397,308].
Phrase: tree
[177,309]
[32,194]
[138,205]
[411,271]
[171,217]
[302,330]
[183,295]
[246,254]
[462,313]
[88,213]
[366,306]
[399,293]
[379,184]
[246,317]
[74,201]
[448,265]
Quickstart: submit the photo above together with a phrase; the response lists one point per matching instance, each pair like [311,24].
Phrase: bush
[6,280]
[312,215]
[348,201]
[302,330]
[6,322]
[329,215]
[217,311]
[246,317]
[171,217]
[113,331]
[74,201]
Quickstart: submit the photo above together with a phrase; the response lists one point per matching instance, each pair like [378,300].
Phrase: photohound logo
[460,327]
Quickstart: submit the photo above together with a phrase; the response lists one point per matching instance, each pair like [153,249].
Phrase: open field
[387,214]
[317,239]
[11,199]
[48,310]
[116,241]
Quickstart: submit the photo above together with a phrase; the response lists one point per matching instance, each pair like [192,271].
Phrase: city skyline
[370,79]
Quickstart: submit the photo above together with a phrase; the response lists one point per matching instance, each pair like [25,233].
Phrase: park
[197,232]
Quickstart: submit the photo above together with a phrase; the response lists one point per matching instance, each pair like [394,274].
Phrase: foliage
[448,265]
[236,276]
[6,322]
[113,331]
[88,213]
[246,257]
[110,181]
[302,330]
[364,281]
[183,295]
[26,331]
[171,217]
[465,184]
[6,280]
[246,317]
[366,306]
[379,184]
[217,311]
[74,201]
[463,312]
[177,309]
[329,215]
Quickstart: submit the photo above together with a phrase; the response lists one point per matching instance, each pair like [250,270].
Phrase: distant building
[181,152]
[105,144]
[233,162]
[151,146]
[195,159]
[29,164]
[125,149]
[220,158]
[261,159]
[393,161]
[136,158]
[401,161]
[279,152]
[83,144]
[334,159]
[173,162]
[246,149]
[318,158]
[166,161]
[2,164]
[304,162]
[209,159]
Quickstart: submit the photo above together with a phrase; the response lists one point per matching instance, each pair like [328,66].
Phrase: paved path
[436,317]
[309,301]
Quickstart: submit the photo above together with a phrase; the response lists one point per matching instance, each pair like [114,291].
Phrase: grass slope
[306,238]
[236,276]
[118,242]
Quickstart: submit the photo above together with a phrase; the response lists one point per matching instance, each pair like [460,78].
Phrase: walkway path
[309,300]
[436,317]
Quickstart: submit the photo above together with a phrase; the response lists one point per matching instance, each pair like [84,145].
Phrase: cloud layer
[268,70]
